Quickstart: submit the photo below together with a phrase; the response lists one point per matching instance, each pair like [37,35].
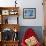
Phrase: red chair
[29,33]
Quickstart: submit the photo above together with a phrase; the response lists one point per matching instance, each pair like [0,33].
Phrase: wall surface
[27,4]
[39,13]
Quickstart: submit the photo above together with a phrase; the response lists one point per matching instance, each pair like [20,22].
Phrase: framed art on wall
[29,13]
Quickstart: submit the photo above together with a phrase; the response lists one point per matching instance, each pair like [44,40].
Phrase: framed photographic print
[5,12]
[29,13]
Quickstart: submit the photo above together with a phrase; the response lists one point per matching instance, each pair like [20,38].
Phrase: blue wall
[37,29]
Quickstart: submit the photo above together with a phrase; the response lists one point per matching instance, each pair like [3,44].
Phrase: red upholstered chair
[29,33]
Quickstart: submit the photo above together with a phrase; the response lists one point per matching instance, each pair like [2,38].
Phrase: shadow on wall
[37,29]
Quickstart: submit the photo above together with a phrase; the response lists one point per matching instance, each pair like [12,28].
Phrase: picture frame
[5,12]
[29,13]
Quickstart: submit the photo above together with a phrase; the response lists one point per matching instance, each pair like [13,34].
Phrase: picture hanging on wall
[29,13]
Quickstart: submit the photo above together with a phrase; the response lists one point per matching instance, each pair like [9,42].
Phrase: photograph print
[29,13]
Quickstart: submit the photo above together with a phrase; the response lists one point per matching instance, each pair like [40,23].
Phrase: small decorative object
[15,36]
[6,21]
[7,34]
[15,3]
[13,12]
[29,13]
[15,30]
[5,12]
[32,41]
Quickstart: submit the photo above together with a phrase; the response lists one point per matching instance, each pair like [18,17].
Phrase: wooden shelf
[4,13]
[9,8]
[10,26]
[9,43]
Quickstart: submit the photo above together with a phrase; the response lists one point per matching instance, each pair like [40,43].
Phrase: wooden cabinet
[9,23]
